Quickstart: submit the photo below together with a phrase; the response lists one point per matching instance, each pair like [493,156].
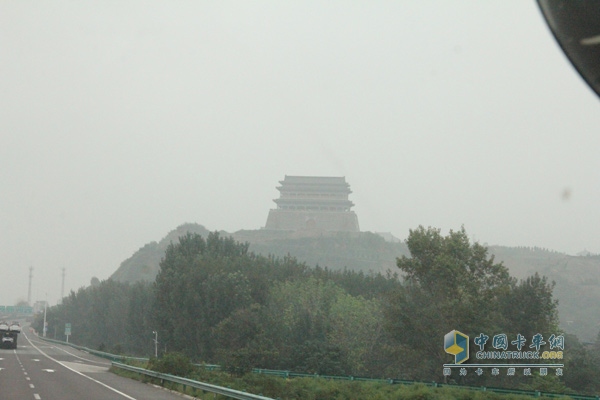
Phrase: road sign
[21,310]
[67,329]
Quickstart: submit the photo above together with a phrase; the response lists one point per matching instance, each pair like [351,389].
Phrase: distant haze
[119,121]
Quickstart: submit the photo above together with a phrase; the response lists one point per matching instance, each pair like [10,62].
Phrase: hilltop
[364,251]
[577,277]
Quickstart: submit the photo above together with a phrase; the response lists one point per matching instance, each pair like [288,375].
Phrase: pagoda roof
[305,201]
[321,180]
[314,184]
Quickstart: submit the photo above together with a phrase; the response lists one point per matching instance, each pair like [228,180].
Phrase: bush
[173,364]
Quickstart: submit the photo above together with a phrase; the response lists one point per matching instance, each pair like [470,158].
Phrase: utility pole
[62,288]
[29,291]
[45,328]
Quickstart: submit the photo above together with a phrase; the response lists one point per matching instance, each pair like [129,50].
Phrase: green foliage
[530,307]
[582,366]
[450,284]
[110,314]
[322,388]
[297,317]
[173,364]
[307,325]
[451,267]
[219,302]
[356,328]
[453,284]
[547,384]
[576,280]
[241,343]
[577,277]
[201,282]
[215,301]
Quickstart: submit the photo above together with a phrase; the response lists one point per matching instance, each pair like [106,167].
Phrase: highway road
[39,370]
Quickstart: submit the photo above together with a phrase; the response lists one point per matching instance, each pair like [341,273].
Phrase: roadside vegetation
[308,388]
[216,302]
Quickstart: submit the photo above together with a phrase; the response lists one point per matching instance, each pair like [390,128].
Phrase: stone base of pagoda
[312,220]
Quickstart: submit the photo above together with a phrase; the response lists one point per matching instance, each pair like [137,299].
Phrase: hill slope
[358,251]
[577,277]
[143,265]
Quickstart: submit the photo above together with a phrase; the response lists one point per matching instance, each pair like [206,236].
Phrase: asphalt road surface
[39,370]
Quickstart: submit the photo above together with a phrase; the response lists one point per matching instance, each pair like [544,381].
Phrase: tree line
[216,302]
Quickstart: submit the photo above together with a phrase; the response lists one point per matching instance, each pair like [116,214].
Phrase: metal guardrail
[235,394]
[102,354]
[531,393]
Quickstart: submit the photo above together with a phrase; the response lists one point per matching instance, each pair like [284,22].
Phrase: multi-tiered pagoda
[313,203]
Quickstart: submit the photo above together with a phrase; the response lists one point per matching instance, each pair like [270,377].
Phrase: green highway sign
[22,310]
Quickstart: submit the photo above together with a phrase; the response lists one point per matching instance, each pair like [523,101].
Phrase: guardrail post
[537,393]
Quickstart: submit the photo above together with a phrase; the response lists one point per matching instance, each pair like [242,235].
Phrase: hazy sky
[120,120]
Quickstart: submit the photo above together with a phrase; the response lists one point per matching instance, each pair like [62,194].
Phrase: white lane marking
[81,358]
[31,386]
[79,373]
[28,379]
[68,352]
[48,370]
[37,396]
[85,368]
[35,359]
[1,369]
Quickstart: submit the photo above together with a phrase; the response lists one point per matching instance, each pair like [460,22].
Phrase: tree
[356,329]
[201,282]
[583,366]
[449,284]
[297,318]
[453,284]
[241,343]
[530,308]
[98,314]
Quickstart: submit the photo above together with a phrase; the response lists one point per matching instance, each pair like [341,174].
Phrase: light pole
[45,328]
[155,344]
